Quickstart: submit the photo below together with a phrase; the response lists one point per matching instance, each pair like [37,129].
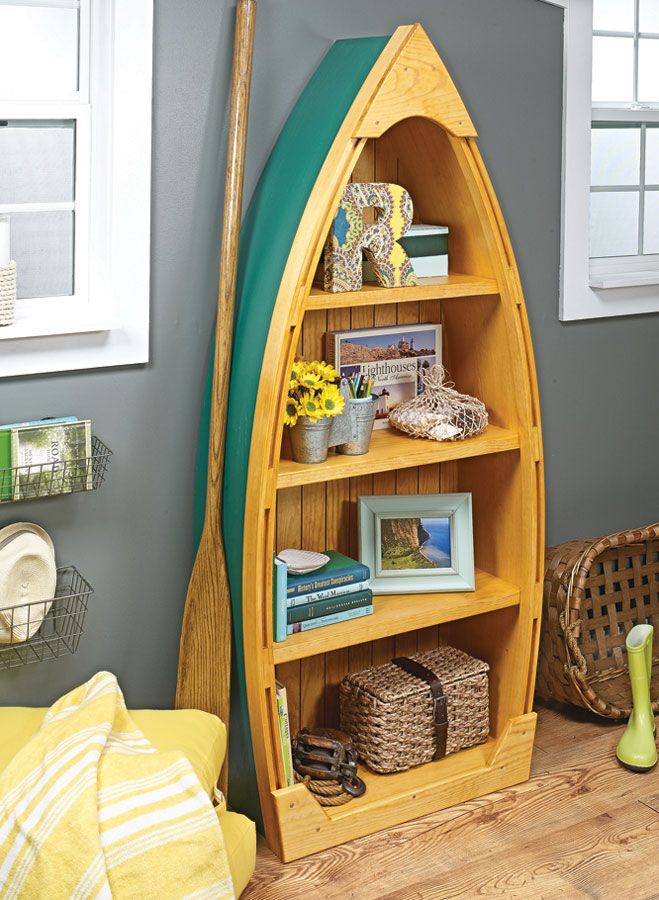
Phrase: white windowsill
[623,279]
[51,316]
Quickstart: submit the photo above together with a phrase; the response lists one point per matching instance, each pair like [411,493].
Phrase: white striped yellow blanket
[88,808]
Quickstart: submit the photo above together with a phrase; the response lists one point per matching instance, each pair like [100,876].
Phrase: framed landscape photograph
[418,543]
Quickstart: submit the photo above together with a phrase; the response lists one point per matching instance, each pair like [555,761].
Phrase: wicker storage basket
[595,592]
[392,715]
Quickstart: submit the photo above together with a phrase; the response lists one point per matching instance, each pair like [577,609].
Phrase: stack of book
[45,457]
[427,248]
[336,592]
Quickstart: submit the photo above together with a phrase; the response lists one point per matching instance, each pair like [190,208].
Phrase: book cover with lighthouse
[394,356]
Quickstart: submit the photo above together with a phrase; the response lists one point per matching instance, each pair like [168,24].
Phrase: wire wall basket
[45,630]
[70,476]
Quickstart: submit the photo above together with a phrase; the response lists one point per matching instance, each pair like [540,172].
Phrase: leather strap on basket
[439,703]
[570,619]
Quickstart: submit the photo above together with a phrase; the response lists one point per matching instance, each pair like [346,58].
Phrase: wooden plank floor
[581,827]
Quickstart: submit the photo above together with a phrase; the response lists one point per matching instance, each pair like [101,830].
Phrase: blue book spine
[331,620]
[280,579]
[63,420]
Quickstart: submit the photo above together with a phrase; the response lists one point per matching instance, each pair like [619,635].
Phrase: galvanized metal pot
[309,440]
[362,413]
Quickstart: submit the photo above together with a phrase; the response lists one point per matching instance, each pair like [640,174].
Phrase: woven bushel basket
[389,713]
[595,591]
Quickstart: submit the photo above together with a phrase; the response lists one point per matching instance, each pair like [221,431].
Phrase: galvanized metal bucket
[309,440]
[362,416]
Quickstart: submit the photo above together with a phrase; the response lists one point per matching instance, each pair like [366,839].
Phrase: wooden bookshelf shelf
[392,450]
[400,613]
[390,799]
[442,287]
[401,784]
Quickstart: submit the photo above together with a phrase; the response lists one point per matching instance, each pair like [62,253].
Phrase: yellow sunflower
[325,371]
[331,400]
[309,380]
[311,408]
[296,371]
[292,411]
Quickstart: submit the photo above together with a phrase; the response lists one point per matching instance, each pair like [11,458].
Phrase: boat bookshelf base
[305,827]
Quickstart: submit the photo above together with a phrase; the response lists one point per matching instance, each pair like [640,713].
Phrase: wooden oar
[204,665]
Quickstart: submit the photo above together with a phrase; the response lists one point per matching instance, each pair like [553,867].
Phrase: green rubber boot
[637,749]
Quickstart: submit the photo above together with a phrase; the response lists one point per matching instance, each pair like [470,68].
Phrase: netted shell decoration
[440,412]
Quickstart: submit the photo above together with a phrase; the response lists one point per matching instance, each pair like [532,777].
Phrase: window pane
[614,223]
[616,156]
[652,156]
[648,70]
[38,51]
[42,245]
[651,224]
[613,69]
[649,15]
[613,15]
[36,162]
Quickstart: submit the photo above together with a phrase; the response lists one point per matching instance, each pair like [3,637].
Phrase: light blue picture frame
[458,575]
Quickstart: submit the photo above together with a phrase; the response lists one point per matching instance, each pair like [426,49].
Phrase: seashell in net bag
[440,412]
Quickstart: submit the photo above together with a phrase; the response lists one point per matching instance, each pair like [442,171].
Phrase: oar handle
[233,199]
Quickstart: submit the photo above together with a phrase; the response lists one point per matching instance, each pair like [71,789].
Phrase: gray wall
[133,539]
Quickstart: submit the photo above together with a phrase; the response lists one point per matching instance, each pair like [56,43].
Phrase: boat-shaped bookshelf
[379,110]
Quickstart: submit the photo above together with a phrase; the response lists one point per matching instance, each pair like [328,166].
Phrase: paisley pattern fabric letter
[349,236]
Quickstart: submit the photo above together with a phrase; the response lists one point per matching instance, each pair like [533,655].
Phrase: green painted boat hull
[266,237]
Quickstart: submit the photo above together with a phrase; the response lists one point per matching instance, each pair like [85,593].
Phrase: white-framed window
[75,181]
[610,233]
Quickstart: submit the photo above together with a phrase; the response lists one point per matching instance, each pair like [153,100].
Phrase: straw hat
[27,575]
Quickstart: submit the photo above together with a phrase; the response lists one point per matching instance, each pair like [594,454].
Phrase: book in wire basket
[50,479]
[63,447]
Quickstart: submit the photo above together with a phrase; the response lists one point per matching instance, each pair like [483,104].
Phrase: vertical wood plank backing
[429,170]
[386,162]
[429,483]
[359,657]
[428,638]
[364,171]
[449,477]
[407,482]
[312,669]
[338,538]
[480,332]
[314,537]
[289,534]
[384,484]
[494,640]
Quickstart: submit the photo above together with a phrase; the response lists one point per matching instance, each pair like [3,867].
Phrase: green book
[338,571]
[328,607]
[425,240]
[6,486]
[5,465]
[53,458]
[284,733]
